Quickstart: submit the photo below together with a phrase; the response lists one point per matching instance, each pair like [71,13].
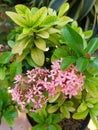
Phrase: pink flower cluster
[32,87]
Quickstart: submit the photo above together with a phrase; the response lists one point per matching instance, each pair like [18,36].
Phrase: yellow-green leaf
[38,56]
[21,9]
[17,18]
[40,43]
[63,9]
[64,20]
[20,46]
[39,16]
[43,34]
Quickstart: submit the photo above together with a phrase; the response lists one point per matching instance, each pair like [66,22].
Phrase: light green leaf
[17,18]
[72,39]
[53,99]
[53,108]
[38,56]
[94,119]
[58,127]
[34,10]
[88,34]
[64,20]
[63,9]
[80,115]
[39,16]
[43,34]
[82,63]
[50,20]
[82,107]
[65,112]
[92,46]
[40,43]
[2,73]
[21,45]
[67,61]
[22,9]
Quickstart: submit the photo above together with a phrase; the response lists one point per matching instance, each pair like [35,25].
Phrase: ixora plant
[55,70]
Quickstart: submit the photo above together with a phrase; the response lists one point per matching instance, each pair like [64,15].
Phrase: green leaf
[94,119]
[40,43]
[80,115]
[88,34]
[22,9]
[39,127]
[43,34]
[67,61]
[36,117]
[2,73]
[90,85]
[17,18]
[61,52]
[53,99]
[20,45]
[11,43]
[53,108]
[56,118]
[58,127]
[34,10]
[82,63]
[38,56]
[9,115]
[65,111]
[39,16]
[52,127]
[72,39]
[95,63]
[92,46]
[50,20]
[64,20]
[63,9]
[5,57]
[15,68]
[30,61]
[82,107]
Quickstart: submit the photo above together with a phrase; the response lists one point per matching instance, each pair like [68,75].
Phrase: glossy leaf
[67,61]
[72,39]
[43,34]
[38,56]
[56,118]
[51,127]
[64,20]
[94,119]
[53,99]
[92,46]
[88,34]
[65,112]
[82,107]
[95,63]
[38,127]
[82,63]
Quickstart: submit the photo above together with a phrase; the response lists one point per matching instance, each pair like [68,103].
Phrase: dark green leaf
[72,39]
[67,61]
[56,118]
[82,63]
[92,46]
[36,117]
[39,127]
